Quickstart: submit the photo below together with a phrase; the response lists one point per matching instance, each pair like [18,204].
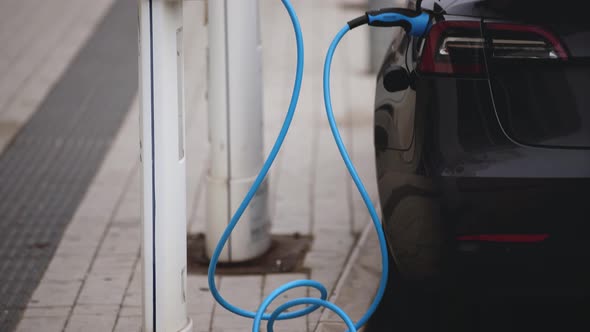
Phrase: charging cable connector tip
[415,23]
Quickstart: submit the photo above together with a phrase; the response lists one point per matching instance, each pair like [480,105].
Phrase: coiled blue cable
[315,303]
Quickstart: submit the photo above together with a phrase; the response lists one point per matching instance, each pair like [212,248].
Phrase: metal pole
[235,128]
[163,167]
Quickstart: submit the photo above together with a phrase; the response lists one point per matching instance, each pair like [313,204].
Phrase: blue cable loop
[356,179]
[315,303]
[258,181]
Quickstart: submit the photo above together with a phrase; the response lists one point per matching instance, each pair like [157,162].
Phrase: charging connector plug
[415,23]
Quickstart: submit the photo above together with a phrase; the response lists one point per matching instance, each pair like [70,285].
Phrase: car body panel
[447,168]
[529,10]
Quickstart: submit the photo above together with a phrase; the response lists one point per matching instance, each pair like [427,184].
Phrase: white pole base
[250,238]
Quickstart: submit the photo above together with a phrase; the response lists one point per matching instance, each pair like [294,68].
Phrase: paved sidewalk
[59,113]
[36,50]
[92,283]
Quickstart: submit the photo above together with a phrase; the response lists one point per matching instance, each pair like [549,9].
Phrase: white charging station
[162,144]
[236,153]
[235,129]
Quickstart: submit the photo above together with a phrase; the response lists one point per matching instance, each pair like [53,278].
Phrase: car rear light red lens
[506,238]
[453,47]
[458,47]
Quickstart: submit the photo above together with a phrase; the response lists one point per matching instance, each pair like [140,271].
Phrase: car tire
[407,306]
[415,237]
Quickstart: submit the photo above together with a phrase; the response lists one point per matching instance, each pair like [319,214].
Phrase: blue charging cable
[413,23]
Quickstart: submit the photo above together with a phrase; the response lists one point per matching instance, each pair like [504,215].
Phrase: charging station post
[162,145]
[235,129]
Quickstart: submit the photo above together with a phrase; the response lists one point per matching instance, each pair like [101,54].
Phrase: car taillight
[453,47]
[457,47]
[516,41]
[506,238]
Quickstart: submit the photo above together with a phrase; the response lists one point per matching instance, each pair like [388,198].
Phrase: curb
[359,282]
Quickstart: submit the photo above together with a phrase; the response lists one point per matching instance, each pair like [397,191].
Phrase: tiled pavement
[64,65]
[92,283]
[39,40]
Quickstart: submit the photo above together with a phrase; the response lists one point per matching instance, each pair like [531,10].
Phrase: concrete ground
[92,282]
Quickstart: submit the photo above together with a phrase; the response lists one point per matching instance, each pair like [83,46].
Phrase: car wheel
[407,306]
[416,238]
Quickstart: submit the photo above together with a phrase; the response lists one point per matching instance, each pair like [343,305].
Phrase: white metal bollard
[163,167]
[235,129]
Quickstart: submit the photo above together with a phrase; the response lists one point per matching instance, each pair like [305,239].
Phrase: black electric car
[482,141]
